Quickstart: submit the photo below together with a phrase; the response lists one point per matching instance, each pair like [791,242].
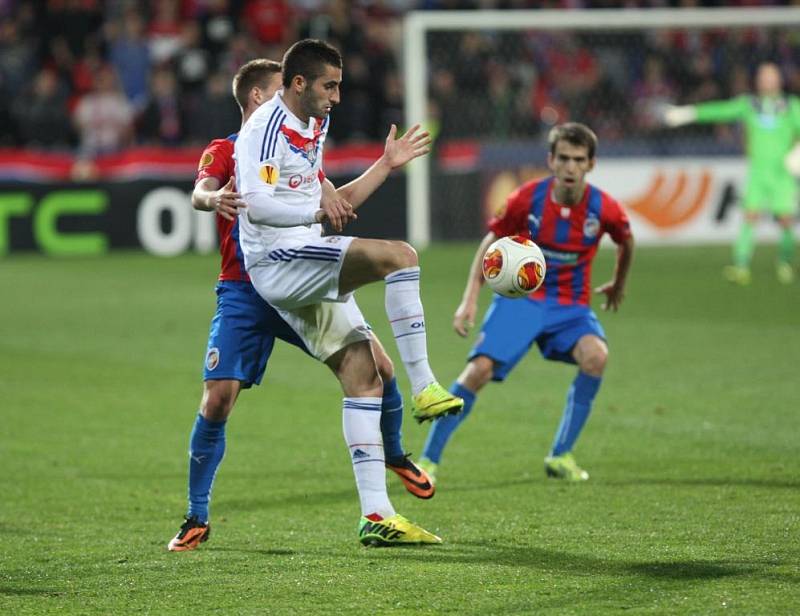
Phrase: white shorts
[328,327]
[300,278]
[299,272]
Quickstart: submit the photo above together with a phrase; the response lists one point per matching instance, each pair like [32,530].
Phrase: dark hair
[574,133]
[255,73]
[308,59]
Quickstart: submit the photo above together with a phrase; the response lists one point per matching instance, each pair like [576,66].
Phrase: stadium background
[692,448]
[115,101]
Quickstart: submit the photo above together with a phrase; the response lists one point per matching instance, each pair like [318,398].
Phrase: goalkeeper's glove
[792,160]
[678,115]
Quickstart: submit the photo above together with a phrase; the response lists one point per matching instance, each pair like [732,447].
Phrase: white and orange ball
[514,266]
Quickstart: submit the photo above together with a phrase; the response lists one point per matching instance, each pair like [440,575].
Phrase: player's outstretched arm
[209,197]
[464,317]
[615,289]
[396,153]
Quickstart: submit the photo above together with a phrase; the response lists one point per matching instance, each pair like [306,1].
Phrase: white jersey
[279,155]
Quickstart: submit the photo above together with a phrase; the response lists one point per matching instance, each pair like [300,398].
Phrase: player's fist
[337,212]
[678,115]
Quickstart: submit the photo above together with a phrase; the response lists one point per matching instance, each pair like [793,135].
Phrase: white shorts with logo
[300,278]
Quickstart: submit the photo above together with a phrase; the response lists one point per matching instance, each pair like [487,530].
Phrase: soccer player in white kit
[310,279]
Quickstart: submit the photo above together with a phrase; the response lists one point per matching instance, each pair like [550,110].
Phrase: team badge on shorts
[212,358]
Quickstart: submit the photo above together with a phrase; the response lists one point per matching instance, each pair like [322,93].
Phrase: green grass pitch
[693,506]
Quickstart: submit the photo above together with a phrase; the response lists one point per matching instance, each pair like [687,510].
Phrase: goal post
[420,25]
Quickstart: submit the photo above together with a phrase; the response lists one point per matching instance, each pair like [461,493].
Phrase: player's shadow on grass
[583,564]
[25,592]
[708,482]
[278,501]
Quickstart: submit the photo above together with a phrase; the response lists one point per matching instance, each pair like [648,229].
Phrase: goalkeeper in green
[772,128]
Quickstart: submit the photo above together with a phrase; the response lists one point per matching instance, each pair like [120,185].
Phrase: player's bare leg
[591,355]
[380,524]
[206,450]
[397,264]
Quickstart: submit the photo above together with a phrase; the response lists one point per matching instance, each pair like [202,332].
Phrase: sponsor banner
[669,200]
[61,219]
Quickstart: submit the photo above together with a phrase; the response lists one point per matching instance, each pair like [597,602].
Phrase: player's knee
[218,401]
[594,362]
[478,372]
[401,256]
[385,367]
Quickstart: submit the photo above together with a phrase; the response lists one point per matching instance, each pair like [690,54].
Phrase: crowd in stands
[96,76]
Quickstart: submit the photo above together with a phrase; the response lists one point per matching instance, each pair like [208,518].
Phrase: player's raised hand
[614,296]
[412,144]
[335,211]
[464,318]
[226,201]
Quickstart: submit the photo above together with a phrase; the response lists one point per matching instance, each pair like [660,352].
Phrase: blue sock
[206,448]
[392,421]
[576,412]
[443,428]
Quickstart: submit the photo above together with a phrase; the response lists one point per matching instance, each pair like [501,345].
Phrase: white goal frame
[418,23]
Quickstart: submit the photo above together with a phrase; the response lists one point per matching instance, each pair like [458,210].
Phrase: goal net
[490,84]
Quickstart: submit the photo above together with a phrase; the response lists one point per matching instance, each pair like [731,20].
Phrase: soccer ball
[514,266]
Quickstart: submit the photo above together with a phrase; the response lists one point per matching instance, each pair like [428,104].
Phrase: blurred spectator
[17,56]
[130,56]
[163,121]
[193,60]
[40,114]
[164,33]
[651,93]
[269,21]
[215,112]
[103,117]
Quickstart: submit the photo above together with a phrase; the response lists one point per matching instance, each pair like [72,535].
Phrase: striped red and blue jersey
[568,235]
[217,162]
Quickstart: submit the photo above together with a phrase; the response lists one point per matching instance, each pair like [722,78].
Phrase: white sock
[407,318]
[361,422]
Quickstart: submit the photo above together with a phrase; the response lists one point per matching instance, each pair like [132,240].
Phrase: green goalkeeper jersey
[772,125]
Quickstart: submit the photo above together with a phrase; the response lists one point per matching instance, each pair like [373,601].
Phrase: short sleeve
[615,221]
[511,217]
[216,162]
[258,160]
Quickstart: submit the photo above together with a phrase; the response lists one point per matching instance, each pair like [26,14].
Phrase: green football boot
[391,531]
[564,467]
[434,401]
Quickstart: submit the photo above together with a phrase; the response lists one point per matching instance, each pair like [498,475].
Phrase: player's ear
[298,83]
[256,95]
[550,161]
[591,164]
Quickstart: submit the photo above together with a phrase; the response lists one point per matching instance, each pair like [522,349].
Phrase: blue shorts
[511,326]
[242,335]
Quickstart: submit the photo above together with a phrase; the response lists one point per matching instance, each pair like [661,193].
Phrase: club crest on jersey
[269,174]
[212,358]
[299,144]
[205,160]
[591,227]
